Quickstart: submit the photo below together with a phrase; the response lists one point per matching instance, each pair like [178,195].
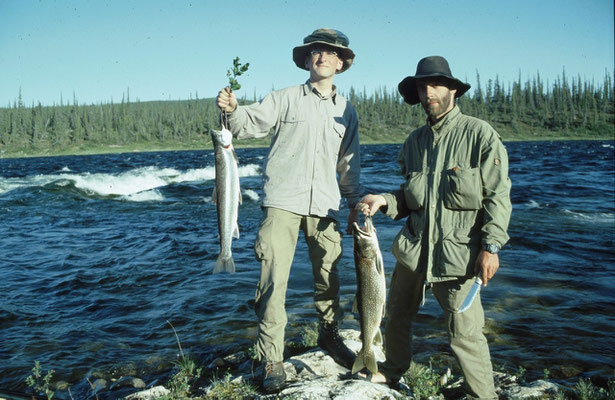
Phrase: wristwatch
[491,248]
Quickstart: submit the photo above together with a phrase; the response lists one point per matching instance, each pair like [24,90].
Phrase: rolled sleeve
[255,120]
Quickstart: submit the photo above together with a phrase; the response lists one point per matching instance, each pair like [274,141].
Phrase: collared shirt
[456,195]
[315,139]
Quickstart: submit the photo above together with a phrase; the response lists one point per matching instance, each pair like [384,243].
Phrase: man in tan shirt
[312,162]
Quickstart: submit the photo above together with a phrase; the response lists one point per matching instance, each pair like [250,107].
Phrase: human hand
[226,100]
[370,204]
[486,265]
[353,216]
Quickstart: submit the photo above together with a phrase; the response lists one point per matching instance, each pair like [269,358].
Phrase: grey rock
[331,388]
[534,389]
[150,394]
[314,375]
[98,385]
[128,381]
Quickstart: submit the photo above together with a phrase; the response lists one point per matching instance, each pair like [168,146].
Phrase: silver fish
[371,297]
[226,196]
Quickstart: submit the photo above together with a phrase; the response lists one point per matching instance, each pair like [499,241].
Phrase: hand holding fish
[226,100]
[370,204]
[353,216]
[486,265]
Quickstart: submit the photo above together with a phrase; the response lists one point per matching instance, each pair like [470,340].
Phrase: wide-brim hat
[329,37]
[430,67]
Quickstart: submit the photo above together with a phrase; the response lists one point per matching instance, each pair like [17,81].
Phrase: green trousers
[465,330]
[275,248]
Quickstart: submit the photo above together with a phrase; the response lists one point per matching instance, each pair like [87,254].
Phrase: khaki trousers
[465,330]
[275,248]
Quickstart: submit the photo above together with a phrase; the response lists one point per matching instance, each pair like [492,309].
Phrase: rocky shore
[314,375]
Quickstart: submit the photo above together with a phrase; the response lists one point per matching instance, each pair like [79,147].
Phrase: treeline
[519,110]
[522,110]
[74,125]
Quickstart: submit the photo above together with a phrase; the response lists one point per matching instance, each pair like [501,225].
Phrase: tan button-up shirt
[314,156]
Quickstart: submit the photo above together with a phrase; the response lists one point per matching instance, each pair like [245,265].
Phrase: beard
[438,106]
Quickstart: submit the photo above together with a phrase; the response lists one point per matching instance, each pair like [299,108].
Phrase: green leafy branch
[40,383]
[238,70]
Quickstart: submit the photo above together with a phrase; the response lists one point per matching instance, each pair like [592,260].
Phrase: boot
[330,341]
[274,376]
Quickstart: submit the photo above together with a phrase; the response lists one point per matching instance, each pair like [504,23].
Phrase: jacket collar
[309,88]
[451,115]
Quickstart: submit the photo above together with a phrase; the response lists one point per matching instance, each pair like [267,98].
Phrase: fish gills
[371,288]
[226,196]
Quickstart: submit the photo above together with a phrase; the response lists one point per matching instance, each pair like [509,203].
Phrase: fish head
[222,138]
[365,239]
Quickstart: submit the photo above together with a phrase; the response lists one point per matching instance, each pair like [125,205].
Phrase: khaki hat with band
[327,38]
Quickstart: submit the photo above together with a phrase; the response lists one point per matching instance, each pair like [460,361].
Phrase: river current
[98,252]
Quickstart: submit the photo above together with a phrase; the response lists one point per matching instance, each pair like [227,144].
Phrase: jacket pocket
[414,190]
[459,251]
[463,189]
[407,248]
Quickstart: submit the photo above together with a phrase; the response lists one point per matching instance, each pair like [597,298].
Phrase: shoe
[274,376]
[380,377]
[330,341]
[393,383]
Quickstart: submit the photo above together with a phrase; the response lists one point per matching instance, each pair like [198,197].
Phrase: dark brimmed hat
[430,67]
[329,37]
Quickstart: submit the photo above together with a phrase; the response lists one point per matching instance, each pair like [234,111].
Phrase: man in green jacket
[312,162]
[456,197]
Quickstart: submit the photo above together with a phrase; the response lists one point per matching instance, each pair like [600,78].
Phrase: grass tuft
[225,389]
[423,380]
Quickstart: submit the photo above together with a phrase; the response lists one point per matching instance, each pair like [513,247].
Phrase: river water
[97,253]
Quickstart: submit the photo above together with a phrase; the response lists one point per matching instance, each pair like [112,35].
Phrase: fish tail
[358,363]
[370,361]
[224,265]
[378,338]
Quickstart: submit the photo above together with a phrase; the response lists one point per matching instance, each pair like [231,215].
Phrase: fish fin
[224,265]
[370,362]
[214,195]
[355,304]
[379,263]
[236,230]
[378,337]
[358,363]
[239,195]
[235,156]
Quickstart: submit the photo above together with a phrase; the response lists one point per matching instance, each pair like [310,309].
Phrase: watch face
[492,248]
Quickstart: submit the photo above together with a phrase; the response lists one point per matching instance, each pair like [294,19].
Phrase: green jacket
[456,196]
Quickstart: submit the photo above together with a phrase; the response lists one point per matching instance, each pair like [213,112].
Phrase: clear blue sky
[175,49]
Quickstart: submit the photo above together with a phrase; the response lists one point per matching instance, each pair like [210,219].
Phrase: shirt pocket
[463,189]
[291,123]
[292,117]
[414,190]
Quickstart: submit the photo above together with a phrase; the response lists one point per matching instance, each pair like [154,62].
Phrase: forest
[567,108]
